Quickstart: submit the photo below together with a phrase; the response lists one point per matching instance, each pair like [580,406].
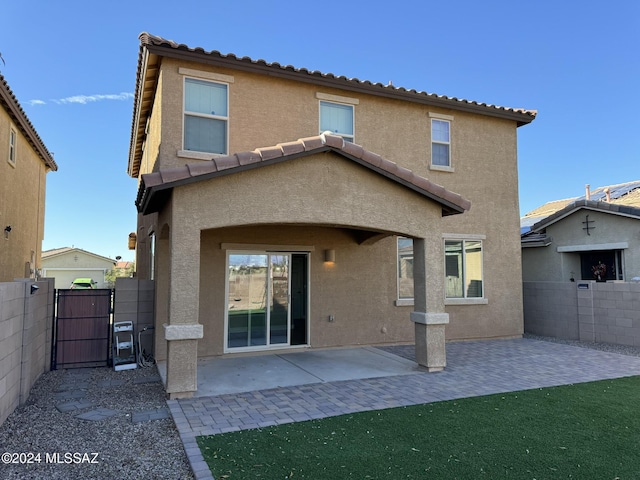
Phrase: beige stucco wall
[264,111]
[546,264]
[22,196]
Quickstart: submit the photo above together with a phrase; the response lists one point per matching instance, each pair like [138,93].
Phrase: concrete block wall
[25,339]
[134,300]
[550,309]
[610,313]
[587,311]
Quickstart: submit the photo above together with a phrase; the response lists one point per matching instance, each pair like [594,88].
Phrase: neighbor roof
[64,250]
[155,187]
[11,105]
[605,207]
[627,193]
[153,48]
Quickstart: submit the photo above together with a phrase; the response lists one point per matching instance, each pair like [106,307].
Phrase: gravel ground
[605,347]
[125,449]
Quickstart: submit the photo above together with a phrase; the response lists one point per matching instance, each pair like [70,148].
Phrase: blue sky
[72,66]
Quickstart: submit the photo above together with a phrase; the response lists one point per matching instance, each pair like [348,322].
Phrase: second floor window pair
[206,117]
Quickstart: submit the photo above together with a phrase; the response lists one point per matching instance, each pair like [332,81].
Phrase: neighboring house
[67,264]
[23,169]
[281,208]
[124,269]
[573,239]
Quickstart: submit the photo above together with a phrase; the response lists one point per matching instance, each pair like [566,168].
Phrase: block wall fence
[26,321]
[587,311]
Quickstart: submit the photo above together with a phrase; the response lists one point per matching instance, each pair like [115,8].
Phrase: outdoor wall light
[330,256]
[7,230]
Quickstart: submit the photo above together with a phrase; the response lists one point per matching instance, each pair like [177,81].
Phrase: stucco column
[429,317]
[183,330]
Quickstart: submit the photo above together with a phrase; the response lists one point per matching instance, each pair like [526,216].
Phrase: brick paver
[473,369]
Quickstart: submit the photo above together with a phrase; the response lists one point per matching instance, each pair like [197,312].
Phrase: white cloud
[84,99]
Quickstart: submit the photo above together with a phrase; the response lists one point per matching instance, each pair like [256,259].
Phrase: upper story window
[463,268]
[205,116]
[441,141]
[337,114]
[337,118]
[13,139]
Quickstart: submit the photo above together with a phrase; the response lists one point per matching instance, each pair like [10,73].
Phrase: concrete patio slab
[228,375]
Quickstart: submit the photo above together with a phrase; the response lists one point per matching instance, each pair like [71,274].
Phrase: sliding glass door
[258,304]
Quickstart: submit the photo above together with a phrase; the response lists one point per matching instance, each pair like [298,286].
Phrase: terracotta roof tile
[174,174]
[268,153]
[172,177]
[333,140]
[312,143]
[153,180]
[372,158]
[291,148]
[201,168]
[353,149]
[228,161]
[405,174]
[247,158]
[388,166]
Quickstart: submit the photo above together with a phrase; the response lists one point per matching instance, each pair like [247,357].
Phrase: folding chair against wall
[124,352]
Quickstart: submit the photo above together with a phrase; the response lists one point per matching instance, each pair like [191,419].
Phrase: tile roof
[153,46]
[11,105]
[154,187]
[149,40]
[622,194]
[588,204]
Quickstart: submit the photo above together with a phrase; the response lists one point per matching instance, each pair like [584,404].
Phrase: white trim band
[588,248]
[430,318]
[190,331]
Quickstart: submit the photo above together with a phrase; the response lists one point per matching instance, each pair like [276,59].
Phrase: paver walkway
[473,369]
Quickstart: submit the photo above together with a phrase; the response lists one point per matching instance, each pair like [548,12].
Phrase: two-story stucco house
[281,208]
[24,165]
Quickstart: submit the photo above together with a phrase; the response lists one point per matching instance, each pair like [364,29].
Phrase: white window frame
[13,146]
[438,117]
[464,300]
[401,301]
[339,100]
[210,77]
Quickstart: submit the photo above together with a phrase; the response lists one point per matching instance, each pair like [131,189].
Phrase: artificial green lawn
[582,431]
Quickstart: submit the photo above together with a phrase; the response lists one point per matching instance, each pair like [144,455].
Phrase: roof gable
[60,252]
[155,187]
[604,207]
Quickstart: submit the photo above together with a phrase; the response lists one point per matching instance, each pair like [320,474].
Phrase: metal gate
[82,328]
